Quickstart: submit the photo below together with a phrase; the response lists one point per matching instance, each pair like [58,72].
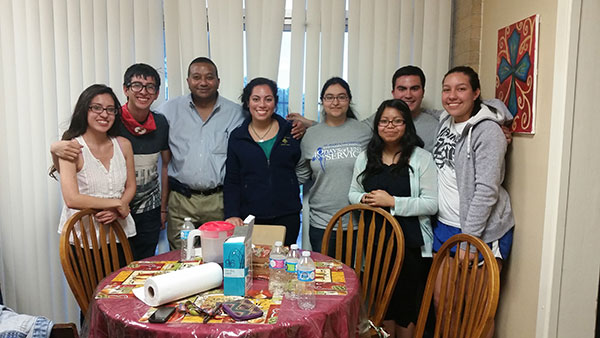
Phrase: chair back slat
[93,264]
[350,241]
[368,263]
[360,241]
[463,290]
[440,325]
[376,255]
[338,240]
[470,288]
[113,249]
[381,289]
[104,248]
[85,255]
[376,265]
[77,260]
[81,247]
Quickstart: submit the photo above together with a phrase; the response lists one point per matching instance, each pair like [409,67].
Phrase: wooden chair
[64,330]
[382,249]
[468,297]
[88,260]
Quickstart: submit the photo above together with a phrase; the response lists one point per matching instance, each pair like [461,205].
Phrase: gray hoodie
[485,209]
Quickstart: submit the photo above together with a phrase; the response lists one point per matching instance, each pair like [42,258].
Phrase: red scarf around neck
[134,126]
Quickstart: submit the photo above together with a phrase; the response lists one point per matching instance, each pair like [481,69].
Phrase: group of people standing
[221,161]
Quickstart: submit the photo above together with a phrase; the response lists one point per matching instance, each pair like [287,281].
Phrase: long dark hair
[79,119]
[473,81]
[339,81]
[408,142]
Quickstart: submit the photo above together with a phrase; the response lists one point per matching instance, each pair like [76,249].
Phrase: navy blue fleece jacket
[259,186]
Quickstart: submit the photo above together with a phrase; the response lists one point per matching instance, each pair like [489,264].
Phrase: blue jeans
[147,227]
[14,325]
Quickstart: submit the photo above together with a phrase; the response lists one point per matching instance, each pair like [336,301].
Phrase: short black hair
[143,70]
[409,70]
[203,59]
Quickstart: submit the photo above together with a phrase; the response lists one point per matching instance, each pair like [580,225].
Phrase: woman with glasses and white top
[329,150]
[103,176]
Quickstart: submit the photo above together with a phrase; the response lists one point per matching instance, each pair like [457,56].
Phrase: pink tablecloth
[333,316]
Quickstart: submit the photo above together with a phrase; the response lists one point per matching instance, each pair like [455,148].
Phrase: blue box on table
[237,260]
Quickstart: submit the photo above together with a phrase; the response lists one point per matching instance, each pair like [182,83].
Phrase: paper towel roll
[162,289]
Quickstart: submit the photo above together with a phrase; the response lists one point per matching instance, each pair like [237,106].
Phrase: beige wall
[466,33]
[526,166]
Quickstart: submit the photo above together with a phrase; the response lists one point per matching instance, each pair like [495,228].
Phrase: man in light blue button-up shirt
[199,127]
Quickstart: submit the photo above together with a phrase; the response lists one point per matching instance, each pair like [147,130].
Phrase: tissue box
[237,261]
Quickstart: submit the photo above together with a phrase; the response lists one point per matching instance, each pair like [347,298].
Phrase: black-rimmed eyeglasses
[394,122]
[98,109]
[340,98]
[137,87]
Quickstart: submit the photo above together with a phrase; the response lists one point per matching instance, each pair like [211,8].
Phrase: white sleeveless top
[94,180]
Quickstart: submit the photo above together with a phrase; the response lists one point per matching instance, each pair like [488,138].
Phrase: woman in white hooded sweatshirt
[469,153]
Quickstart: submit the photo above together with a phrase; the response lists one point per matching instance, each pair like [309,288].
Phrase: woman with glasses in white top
[102,177]
[329,150]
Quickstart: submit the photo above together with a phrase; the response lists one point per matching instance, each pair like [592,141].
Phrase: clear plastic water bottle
[277,272]
[185,231]
[306,282]
[291,260]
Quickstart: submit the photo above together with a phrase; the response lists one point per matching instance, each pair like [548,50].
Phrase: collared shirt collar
[215,109]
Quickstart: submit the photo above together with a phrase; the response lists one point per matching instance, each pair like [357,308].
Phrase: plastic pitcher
[212,237]
[193,252]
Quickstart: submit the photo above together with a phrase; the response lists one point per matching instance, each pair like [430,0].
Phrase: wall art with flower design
[516,71]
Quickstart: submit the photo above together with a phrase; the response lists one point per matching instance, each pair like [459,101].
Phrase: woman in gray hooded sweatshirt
[469,154]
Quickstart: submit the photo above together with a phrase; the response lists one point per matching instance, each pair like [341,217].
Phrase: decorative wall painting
[516,71]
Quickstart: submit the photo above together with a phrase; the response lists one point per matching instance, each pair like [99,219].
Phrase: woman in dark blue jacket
[262,156]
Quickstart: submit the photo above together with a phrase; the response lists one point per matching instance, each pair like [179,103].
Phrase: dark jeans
[147,226]
[291,223]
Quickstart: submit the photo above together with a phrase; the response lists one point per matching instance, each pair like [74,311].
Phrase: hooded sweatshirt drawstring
[469,142]
[484,114]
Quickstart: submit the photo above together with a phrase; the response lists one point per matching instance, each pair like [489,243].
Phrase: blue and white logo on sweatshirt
[337,151]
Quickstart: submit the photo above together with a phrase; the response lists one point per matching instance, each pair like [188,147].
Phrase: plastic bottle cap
[278,243]
[187,219]
[294,246]
[305,253]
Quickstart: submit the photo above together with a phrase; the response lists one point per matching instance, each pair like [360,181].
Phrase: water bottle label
[184,234]
[290,267]
[306,276]
[277,263]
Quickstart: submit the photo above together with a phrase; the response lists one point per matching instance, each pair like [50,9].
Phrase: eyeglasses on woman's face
[340,98]
[383,123]
[137,87]
[98,109]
